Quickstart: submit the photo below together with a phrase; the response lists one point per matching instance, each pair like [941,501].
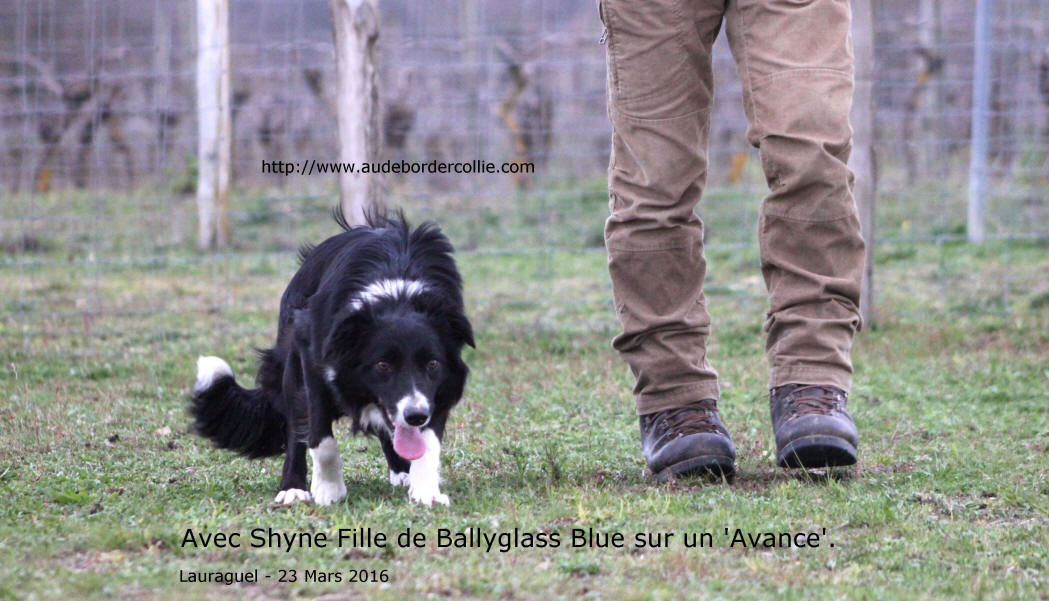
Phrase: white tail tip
[208,369]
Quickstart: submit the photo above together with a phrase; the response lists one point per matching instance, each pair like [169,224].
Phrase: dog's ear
[462,331]
[448,316]
[345,331]
[451,389]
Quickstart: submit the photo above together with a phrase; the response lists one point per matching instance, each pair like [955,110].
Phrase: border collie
[372,327]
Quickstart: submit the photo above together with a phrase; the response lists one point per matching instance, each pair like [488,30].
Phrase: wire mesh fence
[97,118]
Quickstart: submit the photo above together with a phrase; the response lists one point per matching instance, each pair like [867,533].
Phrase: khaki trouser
[794,58]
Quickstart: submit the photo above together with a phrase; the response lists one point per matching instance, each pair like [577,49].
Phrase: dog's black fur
[336,354]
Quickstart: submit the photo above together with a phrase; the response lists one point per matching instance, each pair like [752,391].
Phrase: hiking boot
[687,440]
[812,427]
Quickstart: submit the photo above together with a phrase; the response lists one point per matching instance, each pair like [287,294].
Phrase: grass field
[102,479]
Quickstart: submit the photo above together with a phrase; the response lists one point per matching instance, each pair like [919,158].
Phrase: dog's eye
[432,365]
[383,367]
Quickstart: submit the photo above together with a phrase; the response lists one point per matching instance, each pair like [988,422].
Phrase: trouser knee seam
[848,215]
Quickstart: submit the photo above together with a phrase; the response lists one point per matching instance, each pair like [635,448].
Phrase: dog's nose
[416,416]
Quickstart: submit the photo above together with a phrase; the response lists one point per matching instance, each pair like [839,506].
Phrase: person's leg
[660,89]
[795,62]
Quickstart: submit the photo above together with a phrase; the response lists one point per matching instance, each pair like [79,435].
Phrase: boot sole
[714,466]
[817,451]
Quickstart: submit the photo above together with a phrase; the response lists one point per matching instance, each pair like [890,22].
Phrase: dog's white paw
[326,492]
[426,495]
[398,478]
[208,370]
[292,495]
[424,481]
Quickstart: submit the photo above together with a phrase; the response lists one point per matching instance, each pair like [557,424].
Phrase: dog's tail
[232,417]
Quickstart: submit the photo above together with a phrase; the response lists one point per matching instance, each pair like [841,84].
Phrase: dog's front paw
[427,495]
[326,492]
[399,478]
[292,495]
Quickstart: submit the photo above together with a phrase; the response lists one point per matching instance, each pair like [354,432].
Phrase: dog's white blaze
[388,288]
[208,370]
[329,373]
[398,478]
[327,485]
[424,475]
[287,497]
[372,416]
[415,400]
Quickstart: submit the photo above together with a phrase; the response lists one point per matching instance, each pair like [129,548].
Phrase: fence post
[214,123]
[862,159]
[355,27]
[980,119]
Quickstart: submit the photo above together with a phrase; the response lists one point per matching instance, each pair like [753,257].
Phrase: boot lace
[814,400]
[691,419]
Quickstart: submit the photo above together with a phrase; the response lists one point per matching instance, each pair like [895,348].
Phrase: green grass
[952,388]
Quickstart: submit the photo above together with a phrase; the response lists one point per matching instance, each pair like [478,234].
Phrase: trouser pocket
[650,74]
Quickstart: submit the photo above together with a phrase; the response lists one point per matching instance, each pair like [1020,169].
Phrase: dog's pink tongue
[408,442]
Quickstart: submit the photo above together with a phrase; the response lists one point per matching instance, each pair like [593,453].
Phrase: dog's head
[405,356]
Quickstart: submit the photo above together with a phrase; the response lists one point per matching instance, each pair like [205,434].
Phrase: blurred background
[98,162]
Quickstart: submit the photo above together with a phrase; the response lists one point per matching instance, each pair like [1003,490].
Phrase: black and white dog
[372,326]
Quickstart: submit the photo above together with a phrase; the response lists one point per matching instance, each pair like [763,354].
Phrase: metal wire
[97,122]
